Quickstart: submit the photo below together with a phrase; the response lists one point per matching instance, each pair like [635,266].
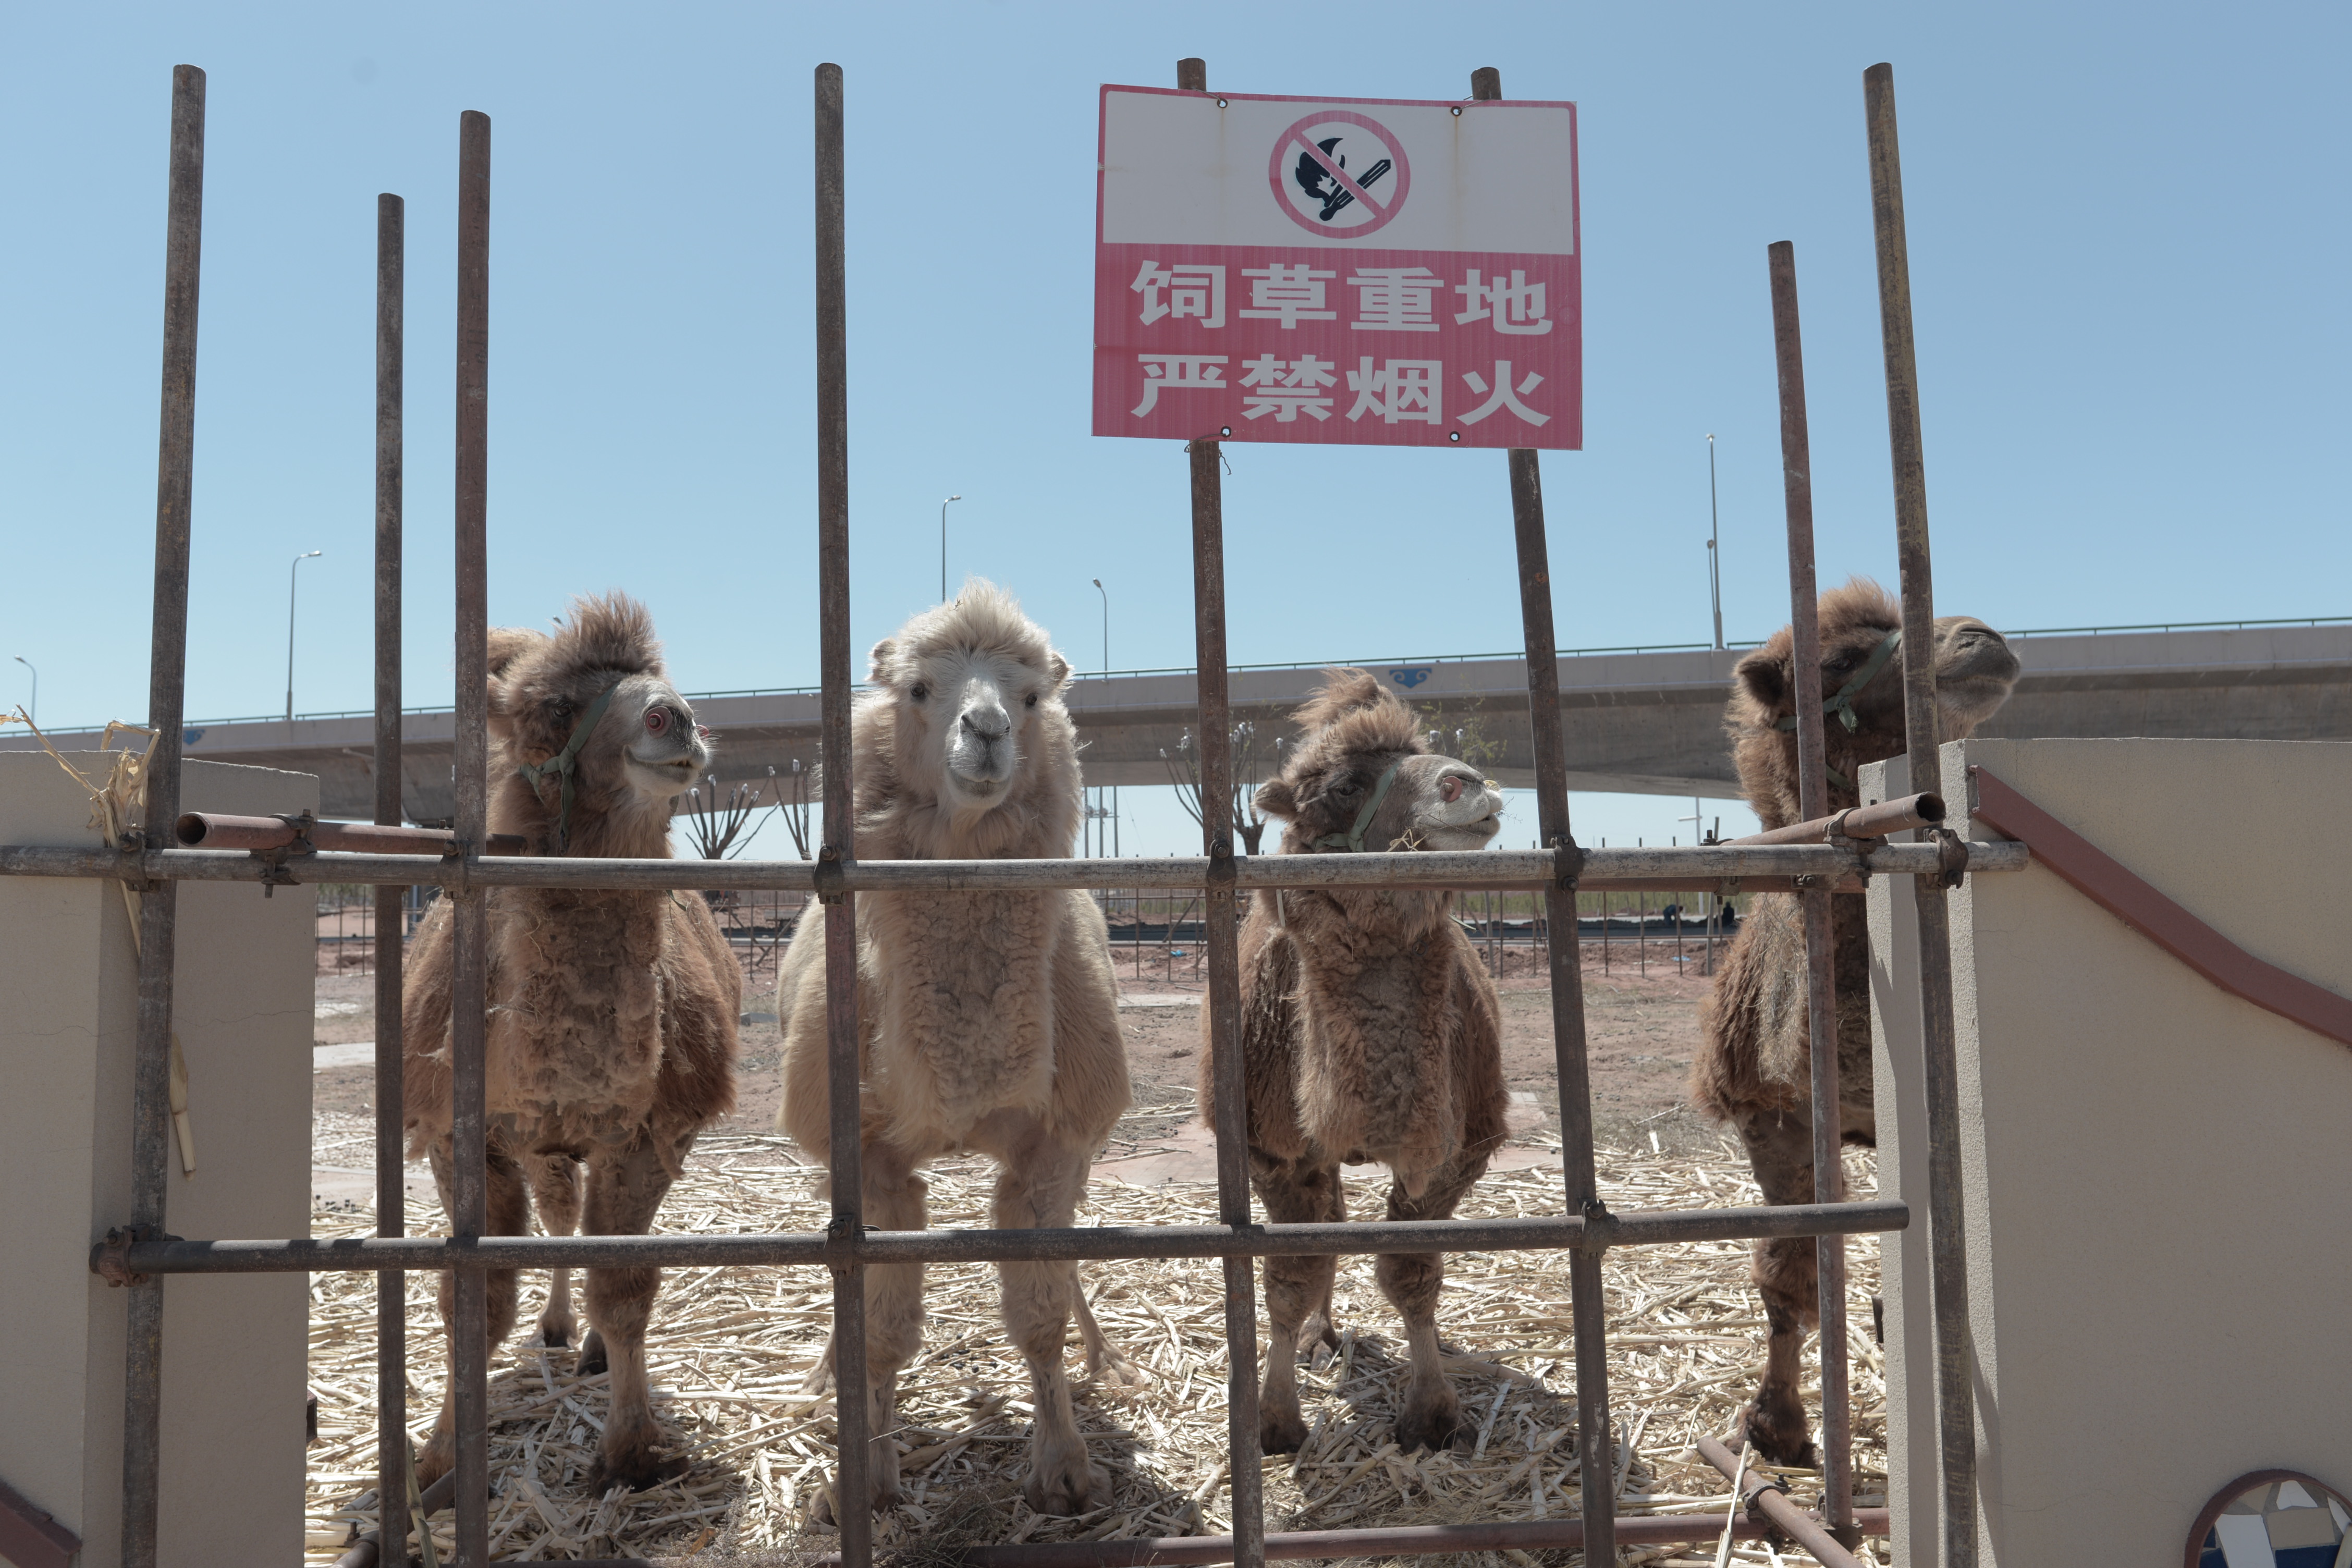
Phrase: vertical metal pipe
[392,1340]
[470,1002]
[1955,1401]
[853,1487]
[1812,797]
[151,1070]
[1220,929]
[391,1219]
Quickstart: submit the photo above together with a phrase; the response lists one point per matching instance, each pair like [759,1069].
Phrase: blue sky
[2126,235]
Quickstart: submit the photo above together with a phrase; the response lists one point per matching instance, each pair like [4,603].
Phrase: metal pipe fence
[141,1254]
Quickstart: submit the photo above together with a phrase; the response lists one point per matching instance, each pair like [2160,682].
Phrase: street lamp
[35,714]
[944,548]
[293,574]
[1714,546]
[1106,665]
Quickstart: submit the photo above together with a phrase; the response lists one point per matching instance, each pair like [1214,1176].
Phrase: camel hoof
[592,1355]
[822,1511]
[639,1469]
[1281,1431]
[1113,1370]
[1434,1428]
[556,1336]
[439,1454]
[1073,1489]
[1775,1430]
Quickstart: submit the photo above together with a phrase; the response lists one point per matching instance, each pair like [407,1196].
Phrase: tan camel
[612,1029]
[1754,1064]
[1370,1032]
[989,1021]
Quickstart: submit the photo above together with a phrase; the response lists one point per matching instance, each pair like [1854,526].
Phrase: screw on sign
[1404,274]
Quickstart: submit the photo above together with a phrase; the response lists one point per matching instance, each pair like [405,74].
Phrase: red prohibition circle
[1294,140]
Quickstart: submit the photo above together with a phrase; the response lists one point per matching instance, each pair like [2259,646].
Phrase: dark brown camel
[1368,1031]
[612,1029]
[1754,1061]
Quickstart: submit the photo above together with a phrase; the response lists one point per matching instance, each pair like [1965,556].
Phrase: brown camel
[1754,1067]
[988,1021]
[611,1028]
[1370,1032]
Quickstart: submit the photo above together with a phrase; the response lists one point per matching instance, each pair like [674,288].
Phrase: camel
[612,1029]
[1370,1031]
[1754,1067]
[988,1021]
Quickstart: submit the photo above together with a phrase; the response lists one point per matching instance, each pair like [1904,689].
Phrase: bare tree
[713,823]
[793,793]
[1251,759]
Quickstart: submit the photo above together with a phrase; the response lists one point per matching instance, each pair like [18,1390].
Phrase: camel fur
[988,1021]
[1754,1067]
[611,1028]
[1369,1032]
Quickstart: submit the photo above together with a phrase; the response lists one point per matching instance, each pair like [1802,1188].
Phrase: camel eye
[656,720]
[920,691]
[1346,789]
[564,709]
[1031,701]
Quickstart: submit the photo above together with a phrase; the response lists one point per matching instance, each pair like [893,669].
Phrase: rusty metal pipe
[367,1550]
[216,830]
[1590,1234]
[1782,1516]
[851,1485]
[1697,868]
[1947,1222]
[391,1219]
[142,1394]
[1877,821]
[469,926]
[1820,925]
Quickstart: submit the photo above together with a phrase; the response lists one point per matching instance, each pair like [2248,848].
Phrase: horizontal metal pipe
[1698,867]
[213,830]
[1398,1541]
[1760,1494]
[368,1549]
[1876,821]
[1645,1228]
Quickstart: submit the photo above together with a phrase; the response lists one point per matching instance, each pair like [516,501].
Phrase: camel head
[1863,664]
[1361,777]
[588,716]
[982,755]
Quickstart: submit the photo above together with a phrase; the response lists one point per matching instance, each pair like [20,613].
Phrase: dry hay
[731,1348]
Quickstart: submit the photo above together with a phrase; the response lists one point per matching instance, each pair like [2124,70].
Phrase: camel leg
[506,1213]
[624,1189]
[1297,1289]
[892,1200]
[1431,1415]
[1038,1187]
[1786,1271]
[555,1194]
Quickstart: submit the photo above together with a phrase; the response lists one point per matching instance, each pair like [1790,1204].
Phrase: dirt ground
[1641,1032]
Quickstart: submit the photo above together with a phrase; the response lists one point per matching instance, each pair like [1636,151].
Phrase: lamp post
[1714,546]
[36,713]
[1106,666]
[293,575]
[944,548]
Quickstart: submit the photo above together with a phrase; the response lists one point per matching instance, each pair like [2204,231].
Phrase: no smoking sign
[1397,274]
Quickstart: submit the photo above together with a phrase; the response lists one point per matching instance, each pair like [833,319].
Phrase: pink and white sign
[1390,273]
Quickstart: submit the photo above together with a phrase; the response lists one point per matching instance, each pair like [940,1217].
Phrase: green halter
[1353,840]
[1842,702]
[566,763]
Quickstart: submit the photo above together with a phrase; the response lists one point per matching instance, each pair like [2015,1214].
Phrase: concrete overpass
[1643,721]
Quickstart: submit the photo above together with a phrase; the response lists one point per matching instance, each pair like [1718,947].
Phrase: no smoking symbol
[1339,172]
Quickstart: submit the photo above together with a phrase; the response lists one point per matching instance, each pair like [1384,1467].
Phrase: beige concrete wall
[234,1349]
[2159,1225]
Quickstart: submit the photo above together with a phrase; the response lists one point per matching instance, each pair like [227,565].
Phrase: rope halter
[1353,840]
[1840,702]
[566,763]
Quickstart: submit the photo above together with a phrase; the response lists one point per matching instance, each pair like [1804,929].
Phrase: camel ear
[1057,671]
[884,651]
[1276,798]
[506,643]
[1759,675]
